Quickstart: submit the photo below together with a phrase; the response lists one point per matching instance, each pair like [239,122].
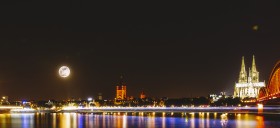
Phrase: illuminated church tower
[248,87]
[121,90]
[254,73]
[243,73]
[142,95]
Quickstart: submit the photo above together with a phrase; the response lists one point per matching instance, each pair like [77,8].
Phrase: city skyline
[173,50]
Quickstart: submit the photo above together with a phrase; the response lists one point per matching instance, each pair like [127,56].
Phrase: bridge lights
[260,106]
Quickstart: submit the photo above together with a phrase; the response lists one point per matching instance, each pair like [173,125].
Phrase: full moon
[64,71]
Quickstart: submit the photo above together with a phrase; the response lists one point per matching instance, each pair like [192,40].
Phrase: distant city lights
[89,99]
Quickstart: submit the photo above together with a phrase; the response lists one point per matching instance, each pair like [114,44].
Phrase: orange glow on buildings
[142,95]
[121,90]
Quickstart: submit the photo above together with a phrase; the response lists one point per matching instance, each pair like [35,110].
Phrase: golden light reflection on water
[140,120]
[124,123]
[119,122]
[224,120]
[207,120]
[54,120]
[5,119]
[238,120]
[192,120]
[151,121]
[163,121]
[66,120]
[260,122]
[215,118]
[201,121]
[246,118]
[123,120]
[104,120]
[249,120]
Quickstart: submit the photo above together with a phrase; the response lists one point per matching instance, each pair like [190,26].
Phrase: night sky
[165,49]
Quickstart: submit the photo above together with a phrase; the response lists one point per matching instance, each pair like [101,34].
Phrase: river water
[139,120]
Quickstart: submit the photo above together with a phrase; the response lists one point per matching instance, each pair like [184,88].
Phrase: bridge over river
[271,93]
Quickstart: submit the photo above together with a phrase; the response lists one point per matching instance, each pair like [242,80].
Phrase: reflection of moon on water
[64,71]
[224,120]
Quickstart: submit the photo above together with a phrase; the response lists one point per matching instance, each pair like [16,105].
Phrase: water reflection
[207,120]
[124,120]
[260,122]
[201,121]
[192,120]
[224,120]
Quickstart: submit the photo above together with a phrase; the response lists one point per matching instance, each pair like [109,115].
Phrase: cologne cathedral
[248,87]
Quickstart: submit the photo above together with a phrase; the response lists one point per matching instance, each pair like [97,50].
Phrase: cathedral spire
[243,65]
[254,69]
[243,73]
[121,80]
[254,72]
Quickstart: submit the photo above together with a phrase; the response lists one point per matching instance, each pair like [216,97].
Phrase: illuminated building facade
[4,100]
[121,90]
[215,97]
[248,87]
[100,96]
[142,95]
